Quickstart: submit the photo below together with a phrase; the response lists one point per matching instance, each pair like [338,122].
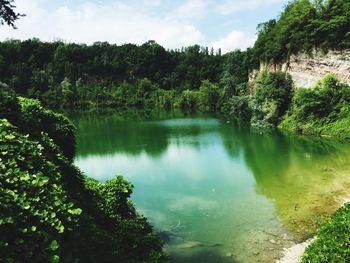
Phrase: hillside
[308,69]
[304,26]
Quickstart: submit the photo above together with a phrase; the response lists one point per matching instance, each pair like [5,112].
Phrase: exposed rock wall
[307,70]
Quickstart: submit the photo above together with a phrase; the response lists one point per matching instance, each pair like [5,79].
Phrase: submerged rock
[168,236]
[194,244]
[190,244]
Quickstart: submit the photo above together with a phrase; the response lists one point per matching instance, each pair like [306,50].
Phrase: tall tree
[7,14]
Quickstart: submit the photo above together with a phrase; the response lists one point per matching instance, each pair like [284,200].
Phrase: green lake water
[217,191]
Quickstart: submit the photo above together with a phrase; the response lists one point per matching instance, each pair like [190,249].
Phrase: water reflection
[306,178]
[210,183]
[103,134]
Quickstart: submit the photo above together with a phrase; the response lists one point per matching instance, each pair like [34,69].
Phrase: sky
[225,24]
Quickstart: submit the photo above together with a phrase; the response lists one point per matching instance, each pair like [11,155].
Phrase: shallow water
[217,191]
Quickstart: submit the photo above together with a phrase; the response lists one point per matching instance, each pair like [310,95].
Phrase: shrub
[166,98]
[35,209]
[333,240]
[188,100]
[112,200]
[34,119]
[49,211]
[9,105]
[273,94]
[239,107]
[208,96]
[322,110]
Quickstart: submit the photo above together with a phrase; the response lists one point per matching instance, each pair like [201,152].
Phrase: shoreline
[295,253]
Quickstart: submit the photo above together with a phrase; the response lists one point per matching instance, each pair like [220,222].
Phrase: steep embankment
[308,69]
[319,103]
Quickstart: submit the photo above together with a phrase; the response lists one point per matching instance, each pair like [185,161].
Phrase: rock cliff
[306,70]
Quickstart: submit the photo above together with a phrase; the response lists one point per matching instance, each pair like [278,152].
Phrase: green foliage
[167,98]
[235,73]
[273,93]
[323,110]
[303,26]
[111,199]
[239,107]
[49,211]
[7,14]
[32,118]
[209,96]
[333,240]
[9,105]
[270,100]
[34,206]
[68,95]
[70,75]
[188,99]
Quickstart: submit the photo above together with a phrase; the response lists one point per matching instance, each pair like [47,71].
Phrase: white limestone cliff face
[307,70]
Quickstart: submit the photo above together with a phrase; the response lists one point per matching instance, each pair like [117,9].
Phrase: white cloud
[234,40]
[191,9]
[152,2]
[114,22]
[233,6]
[171,25]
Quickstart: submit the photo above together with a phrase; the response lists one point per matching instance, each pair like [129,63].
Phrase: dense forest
[129,75]
[48,206]
[120,76]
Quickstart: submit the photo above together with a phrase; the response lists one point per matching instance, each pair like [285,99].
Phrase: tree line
[33,66]
[303,26]
[47,206]
[132,75]
[125,75]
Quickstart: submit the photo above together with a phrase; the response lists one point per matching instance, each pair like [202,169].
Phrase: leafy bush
[239,107]
[35,210]
[49,211]
[323,110]
[209,96]
[272,97]
[333,240]
[34,119]
[167,98]
[264,114]
[31,118]
[9,105]
[188,100]
[268,102]
[111,199]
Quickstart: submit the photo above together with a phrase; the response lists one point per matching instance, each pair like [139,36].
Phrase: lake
[216,191]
